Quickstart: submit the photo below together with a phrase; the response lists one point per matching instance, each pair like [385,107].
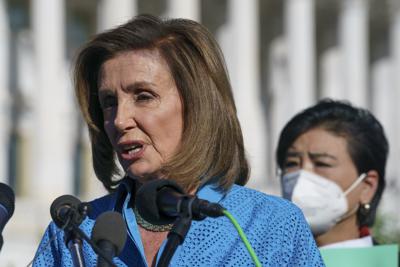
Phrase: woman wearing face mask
[332,158]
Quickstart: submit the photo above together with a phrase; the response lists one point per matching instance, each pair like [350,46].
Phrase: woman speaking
[155,95]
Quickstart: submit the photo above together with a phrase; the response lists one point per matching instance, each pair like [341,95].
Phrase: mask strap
[356,182]
[348,214]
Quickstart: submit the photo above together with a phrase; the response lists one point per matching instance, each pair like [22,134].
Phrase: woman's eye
[144,96]
[322,164]
[291,164]
[108,102]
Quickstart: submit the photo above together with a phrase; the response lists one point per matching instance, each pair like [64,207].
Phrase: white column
[279,108]
[300,36]
[353,38]
[92,187]
[395,79]
[26,84]
[189,9]
[384,99]
[224,36]
[54,127]
[4,91]
[331,74]
[111,13]
[244,67]
[395,53]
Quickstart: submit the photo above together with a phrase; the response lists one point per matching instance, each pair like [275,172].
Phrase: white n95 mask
[322,201]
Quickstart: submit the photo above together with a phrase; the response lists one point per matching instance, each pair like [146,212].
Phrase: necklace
[149,226]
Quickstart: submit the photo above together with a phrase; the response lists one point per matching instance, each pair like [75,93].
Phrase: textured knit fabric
[275,228]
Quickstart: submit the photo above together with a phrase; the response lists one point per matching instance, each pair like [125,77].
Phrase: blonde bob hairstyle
[211,149]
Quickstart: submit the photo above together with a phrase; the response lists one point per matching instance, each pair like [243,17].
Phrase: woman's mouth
[131,150]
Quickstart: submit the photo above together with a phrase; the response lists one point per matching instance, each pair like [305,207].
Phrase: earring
[365,208]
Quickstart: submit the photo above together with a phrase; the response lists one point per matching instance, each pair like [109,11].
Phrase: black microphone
[7,205]
[163,201]
[109,234]
[67,211]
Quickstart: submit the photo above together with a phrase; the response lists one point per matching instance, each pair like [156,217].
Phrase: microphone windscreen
[60,202]
[146,201]
[110,226]
[7,199]
[7,205]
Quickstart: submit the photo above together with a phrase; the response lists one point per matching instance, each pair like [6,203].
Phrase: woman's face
[142,111]
[325,154]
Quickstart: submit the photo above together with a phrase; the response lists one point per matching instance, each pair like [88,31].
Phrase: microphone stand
[96,249]
[73,238]
[74,244]
[176,236]
[74,235]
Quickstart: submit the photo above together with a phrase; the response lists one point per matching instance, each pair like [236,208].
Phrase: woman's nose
[307,165]
[125,117]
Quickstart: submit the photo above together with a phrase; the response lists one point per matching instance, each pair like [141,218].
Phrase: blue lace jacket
[275,228]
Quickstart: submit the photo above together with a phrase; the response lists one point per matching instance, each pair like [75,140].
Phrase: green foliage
[386,230]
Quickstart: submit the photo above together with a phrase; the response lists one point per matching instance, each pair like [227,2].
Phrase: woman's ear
[370,185]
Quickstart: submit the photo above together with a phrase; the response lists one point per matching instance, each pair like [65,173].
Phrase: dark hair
[212,142]
[366,140]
